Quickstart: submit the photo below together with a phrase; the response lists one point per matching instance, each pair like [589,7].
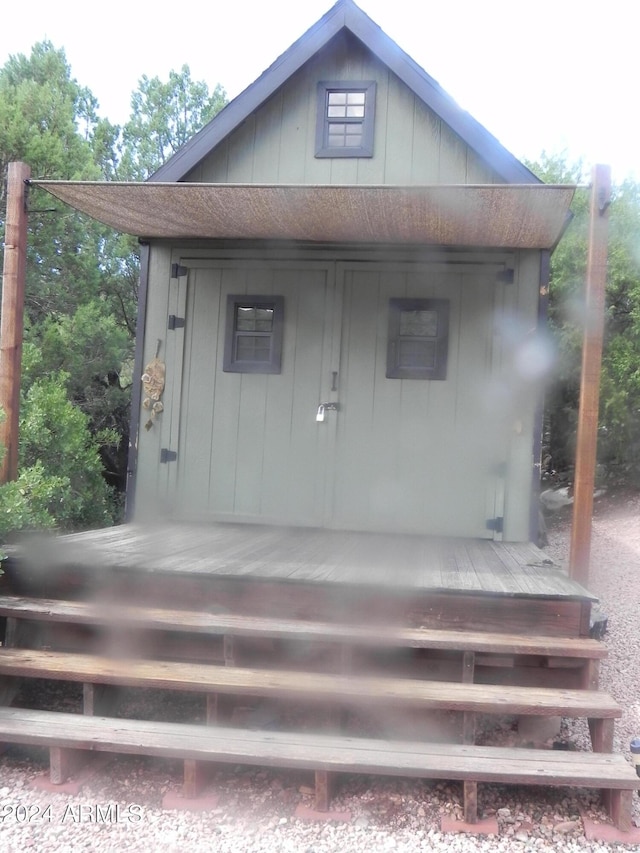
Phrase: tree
[619,425]
[164,116]
[82,282]
[50,121]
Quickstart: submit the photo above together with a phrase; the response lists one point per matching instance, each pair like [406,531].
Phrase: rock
[553,500]
[567,826]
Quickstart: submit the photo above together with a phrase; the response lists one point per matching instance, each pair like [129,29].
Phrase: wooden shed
[344,275]
[335,444]
[344,282]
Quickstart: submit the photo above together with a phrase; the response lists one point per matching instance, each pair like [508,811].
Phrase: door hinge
[167,455]
[175,322]
[507,276]
[177,271]
[496,524]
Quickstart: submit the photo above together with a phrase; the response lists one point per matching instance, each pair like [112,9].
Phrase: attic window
[346,112]
[253,339]
[418,339]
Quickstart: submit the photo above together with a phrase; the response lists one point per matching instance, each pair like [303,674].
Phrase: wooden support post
[99,700]
[212,709]
[601,734]
[618,804]
[468,727]
[9,687]
[471,802]
[468,667]
[590,675]
[587,437]
[11,323]
[323,790]
[64,762]
[228,650]
[220,708]
[195,778]
[11,632]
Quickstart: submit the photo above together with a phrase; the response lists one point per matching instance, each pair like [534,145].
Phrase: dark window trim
[441,339]
[323,122]
[231,364]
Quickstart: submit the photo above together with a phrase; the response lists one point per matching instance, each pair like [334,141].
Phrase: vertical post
[15,255]
[590,380]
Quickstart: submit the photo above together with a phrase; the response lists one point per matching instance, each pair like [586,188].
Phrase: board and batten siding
[276,144]
[400,455]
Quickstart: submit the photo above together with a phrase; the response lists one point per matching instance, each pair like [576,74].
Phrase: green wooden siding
[400,455]
[277,143]
[417,455]
[248,445]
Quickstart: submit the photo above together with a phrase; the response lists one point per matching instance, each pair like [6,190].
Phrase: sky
[559,76]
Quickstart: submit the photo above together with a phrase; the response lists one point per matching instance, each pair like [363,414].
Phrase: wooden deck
[334,576]
[316,556]
[400,629]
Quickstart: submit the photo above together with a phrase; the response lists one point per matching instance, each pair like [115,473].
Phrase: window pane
[341,135]
[345,104]
[253,348]
[264,319]
[419,323]
[417,354]
[251,319]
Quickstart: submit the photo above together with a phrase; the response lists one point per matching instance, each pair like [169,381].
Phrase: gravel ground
[119,807]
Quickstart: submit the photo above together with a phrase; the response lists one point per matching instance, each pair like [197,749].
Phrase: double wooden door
[414,456]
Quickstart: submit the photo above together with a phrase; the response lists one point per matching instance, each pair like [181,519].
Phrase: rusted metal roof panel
[530,216]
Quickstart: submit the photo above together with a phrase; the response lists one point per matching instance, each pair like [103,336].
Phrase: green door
[417,455]
[249,444]
[389,454]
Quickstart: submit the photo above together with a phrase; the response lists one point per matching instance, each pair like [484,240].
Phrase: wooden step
[122,617]
[66,734]
[173,675]
[338,690]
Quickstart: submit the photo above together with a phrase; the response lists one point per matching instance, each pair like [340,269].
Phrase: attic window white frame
[326,117]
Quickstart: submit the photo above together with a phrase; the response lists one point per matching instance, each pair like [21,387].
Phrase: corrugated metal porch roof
[518,216]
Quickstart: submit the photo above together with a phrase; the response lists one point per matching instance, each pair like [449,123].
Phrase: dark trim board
[136,394]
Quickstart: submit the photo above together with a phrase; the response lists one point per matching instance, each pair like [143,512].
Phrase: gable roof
[345,15]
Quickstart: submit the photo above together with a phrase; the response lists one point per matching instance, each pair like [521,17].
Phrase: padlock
[320,414]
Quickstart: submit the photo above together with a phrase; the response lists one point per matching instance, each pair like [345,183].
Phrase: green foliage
[165,115]
[54,438]
[82,282]
[60,483]
[30,502]
[619,422]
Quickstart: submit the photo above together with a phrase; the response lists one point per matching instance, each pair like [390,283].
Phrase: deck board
[320,556]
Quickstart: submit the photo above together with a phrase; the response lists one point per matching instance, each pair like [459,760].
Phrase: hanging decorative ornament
[153,385]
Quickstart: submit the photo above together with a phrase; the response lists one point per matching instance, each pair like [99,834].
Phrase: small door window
[253,335]
[418,339]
